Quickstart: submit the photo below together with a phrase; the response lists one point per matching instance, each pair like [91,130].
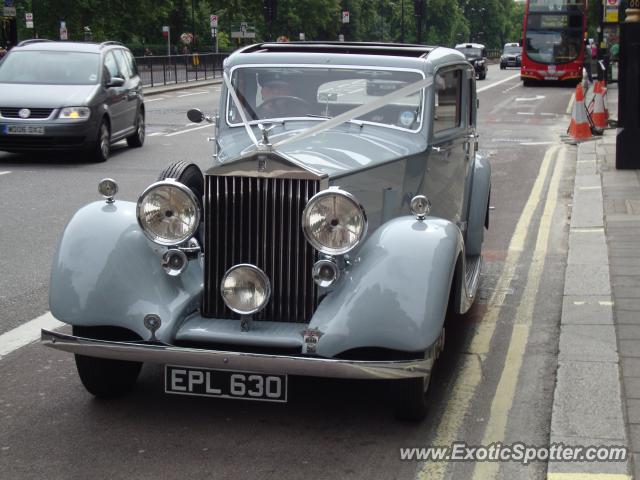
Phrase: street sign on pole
[345,16]
[213,20]
[302,36]
[63,33]
[166,32]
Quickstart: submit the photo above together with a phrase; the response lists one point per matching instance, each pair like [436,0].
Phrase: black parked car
[476,54]
[70,96]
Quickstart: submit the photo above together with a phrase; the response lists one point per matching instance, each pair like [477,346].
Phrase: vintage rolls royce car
[338,225]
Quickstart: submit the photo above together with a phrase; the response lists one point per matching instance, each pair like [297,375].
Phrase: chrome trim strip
[238,361]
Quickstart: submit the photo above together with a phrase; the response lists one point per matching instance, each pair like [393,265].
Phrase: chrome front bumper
[238,361]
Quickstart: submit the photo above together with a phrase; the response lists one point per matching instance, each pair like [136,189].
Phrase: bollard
[628,136]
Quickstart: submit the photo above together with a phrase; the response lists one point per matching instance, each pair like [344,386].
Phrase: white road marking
[530,99]
[189,130]
[525,113]
[570,107]
[547,114]
[531,144]
[511,88]
[5,172]
[26,333]
[153,100]
[497,83]
[154,134]
[191,94]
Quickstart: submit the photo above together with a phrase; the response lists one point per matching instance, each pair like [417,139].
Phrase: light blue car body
[395,289]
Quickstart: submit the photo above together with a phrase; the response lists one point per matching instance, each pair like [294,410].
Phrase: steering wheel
[284,105]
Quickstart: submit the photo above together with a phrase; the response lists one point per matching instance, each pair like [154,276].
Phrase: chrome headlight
[334,222]
[75,113]
[168,213]
[245,289]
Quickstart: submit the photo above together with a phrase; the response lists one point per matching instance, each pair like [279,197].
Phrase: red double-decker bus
[553,46]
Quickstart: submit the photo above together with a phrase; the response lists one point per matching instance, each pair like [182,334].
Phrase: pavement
[597,393]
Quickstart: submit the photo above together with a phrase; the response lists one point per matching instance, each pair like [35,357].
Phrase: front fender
[395,294]
[106,272]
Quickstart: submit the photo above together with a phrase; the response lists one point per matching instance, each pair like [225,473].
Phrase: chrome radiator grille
[258,221]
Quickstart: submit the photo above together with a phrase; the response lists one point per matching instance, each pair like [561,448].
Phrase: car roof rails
[110,42]
[33,40]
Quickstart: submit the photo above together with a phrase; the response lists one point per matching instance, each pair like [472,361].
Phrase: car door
[448,161]
[132,88]
[117,102]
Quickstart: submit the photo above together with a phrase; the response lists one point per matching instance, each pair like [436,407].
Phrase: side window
[110,66]
[133,67]
[123,64]
[448,98]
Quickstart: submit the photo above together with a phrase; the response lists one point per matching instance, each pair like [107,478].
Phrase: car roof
[470,45]
[343,53]
[49,45]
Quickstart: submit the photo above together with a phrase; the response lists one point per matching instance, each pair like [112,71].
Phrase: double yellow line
[470,375]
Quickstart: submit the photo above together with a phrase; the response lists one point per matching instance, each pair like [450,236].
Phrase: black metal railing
[157,70]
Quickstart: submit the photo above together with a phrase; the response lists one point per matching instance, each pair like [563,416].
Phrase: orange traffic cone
[599,116]
[579,127]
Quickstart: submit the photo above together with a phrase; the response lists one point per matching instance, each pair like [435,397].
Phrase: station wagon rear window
[269,92]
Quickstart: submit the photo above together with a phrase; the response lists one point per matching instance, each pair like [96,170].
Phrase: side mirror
[195,115]
[115,82]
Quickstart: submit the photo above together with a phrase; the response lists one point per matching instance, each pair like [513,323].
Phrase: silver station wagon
[342,219]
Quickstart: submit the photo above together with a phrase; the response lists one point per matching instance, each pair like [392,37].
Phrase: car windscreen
[50,68]
[268,92]
[512,50]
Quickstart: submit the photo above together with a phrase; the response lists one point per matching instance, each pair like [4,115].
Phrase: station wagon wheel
[137,139]
[102,377]
[102,146]
[189,174]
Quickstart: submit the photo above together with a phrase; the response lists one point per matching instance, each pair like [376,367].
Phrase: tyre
[101,148]
[502,66]
[102,377]
[410,399]
[137,139]
[189,174]
[483,76]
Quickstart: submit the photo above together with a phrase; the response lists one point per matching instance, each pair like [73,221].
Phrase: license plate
[204,382]
[22,130]
[550,78]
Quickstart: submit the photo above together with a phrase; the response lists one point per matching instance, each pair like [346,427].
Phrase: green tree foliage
[139,23]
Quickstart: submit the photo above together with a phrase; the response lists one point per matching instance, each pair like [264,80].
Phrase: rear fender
[478,206]
[106,272]
[395,293]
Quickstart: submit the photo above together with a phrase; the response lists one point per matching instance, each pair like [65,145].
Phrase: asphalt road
[494,381]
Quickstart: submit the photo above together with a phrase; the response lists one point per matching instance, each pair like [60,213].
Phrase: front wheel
[102,377]
[107,378]
[101,148]
[411,399]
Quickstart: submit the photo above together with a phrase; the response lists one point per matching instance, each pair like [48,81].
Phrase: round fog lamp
[325,273]
[420,206]
[174,262]
[108,189]
[245,289]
